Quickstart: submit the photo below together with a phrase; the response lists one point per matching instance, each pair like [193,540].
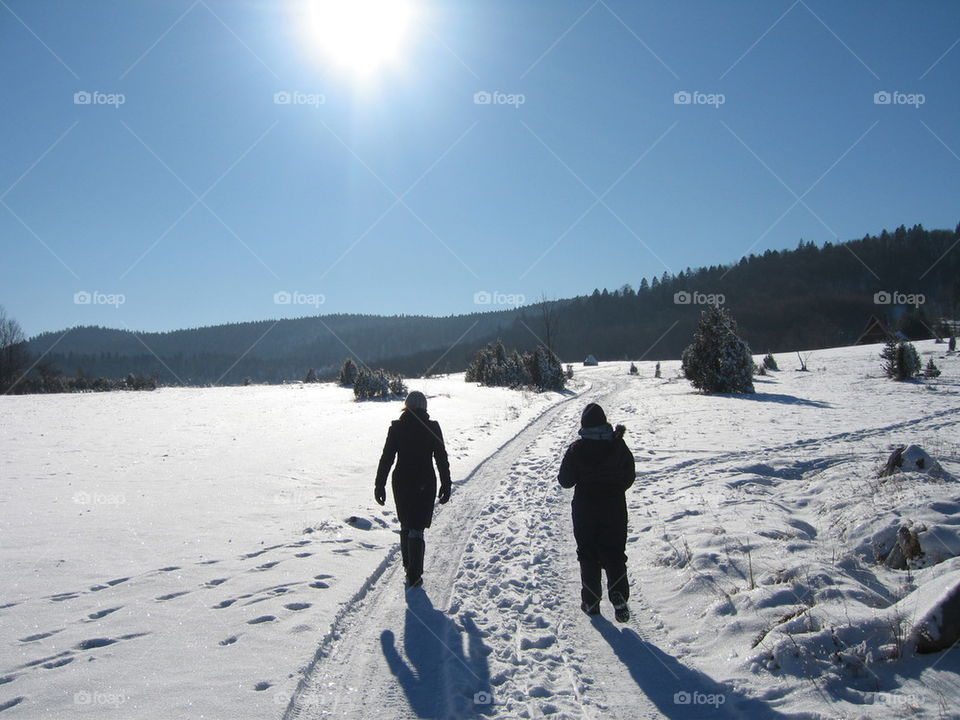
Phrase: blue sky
[203,195]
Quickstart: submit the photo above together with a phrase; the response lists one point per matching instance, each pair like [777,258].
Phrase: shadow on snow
[777,398]
[439,678]
[679,692]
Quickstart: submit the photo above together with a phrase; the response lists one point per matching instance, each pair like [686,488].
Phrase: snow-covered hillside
[217,553]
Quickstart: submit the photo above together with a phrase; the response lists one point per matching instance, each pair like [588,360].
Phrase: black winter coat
[600,470]
[415,441]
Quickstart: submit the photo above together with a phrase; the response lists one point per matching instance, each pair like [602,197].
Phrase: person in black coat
[601,468]
[416,442]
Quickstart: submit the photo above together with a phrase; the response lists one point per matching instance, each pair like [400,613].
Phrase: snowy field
[216,553]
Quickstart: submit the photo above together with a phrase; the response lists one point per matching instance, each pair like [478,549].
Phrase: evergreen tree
[718,361]
[931,370]
[656,371]
[348,373]
[311,376]
[900,360]
[770,363]
[397,386]
[550,371]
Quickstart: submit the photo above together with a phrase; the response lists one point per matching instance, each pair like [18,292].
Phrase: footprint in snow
[39,636]
[319,585]
[229,641]
[171,596]
[267,565]
[169,568]
[260,686]
[258,553]
[303,555]
[102,613]
[11,703]
[93,643]
[297,606]
[262,619]
[215,582]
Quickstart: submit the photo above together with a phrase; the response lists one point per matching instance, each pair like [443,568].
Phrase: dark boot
[617,584]
[620,608]
[415,552]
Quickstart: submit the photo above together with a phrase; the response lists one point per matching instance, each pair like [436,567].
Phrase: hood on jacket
[602,432]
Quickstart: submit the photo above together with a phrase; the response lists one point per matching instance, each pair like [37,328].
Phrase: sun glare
[361,36]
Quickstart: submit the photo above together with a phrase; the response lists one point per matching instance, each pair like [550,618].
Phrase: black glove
[444,494]
[380,495]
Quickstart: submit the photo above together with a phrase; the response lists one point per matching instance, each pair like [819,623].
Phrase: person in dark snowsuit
[601,468]
[416,442]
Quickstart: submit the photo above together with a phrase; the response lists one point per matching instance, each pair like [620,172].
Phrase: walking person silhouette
[416,442]
[600,468]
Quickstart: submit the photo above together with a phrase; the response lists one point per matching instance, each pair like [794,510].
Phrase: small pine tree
[931,371]
[569,371]
[718,360]
[656,371]
[770,363]
[311,376]
[952,344]
[477,370]
[760,369]
[397,386]
[900,360]
[550,370]
[633,369]
[492,366]
[348,373]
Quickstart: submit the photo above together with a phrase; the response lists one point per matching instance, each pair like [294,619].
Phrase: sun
[360,36]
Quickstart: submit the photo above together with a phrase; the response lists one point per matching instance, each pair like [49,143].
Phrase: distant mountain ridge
[783,300]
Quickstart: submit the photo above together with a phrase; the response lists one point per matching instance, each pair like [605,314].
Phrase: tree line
[807,298]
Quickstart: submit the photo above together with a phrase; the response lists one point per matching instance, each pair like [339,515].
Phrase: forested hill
[800,299]
[265,351]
